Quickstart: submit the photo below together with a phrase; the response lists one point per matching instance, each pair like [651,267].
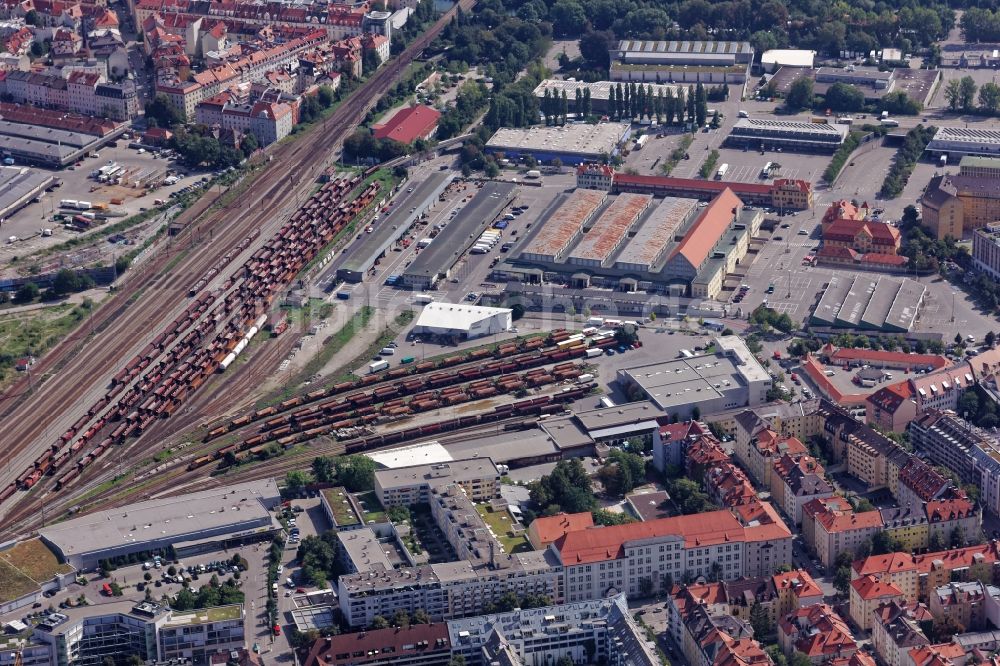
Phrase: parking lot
[78,185]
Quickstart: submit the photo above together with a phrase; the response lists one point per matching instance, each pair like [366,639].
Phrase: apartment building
[761,451]
[595,631]
[800,420]
[942,389]
[708,634]
[986,249]
[920,483]
[637,558]
[891,408]
[963,602]
[81,92]
[545,530]
[830,526]
[908,525]
[948,440]
[481,577]
[818,632]
[90,634]
[957,204]
[415,645]
[403,486]
[796,481]
[868,593]
[795,589]
[875,459]
[896,629]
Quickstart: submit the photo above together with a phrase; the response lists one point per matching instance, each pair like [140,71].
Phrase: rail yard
[173,345]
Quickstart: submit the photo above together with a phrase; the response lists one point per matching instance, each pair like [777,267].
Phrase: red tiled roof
[708,228]
[890,398]
[942,654]
[843,521]
[871,587]
[846,230]
[409,124]
[957,558]
[606,543]
[857,659]
[901,359]
[799,581]
[550,528]
[825,632]
[949,509]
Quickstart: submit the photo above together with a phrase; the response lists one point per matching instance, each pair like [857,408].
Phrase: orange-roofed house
[818,633]
[891,407]
[409,124]
[862,236]
[796,480]
[917,575]
[765,449]
[796,589]
[702,455]
[836,528]
[945,515]
[671,439]
[545,530]
[857,659]
[868,593]
[842,210]
[941,654]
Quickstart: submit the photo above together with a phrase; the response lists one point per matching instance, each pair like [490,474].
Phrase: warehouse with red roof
[409,124]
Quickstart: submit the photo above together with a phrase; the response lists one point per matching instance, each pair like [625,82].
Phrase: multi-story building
[865,236]
[947,440]
[80,92]
[986,249]
[831,526]
[941,389]
[963,602]
[795,589]
[953,516]
[957,204]
[818,632]
[91,634]
[455,589]
[545,530]
[749,540]
[672,440]
[415,645]
[599,631]
[917,575]
[796,481]
[868,593]
[891,408]
[896,630]
[402,486]
[764,449]
[907,525]
[920,483]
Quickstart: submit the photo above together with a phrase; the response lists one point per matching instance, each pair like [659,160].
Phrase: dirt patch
[35,560]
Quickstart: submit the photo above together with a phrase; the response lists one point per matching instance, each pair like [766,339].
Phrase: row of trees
[208,596]
[906,159]
[767,318]
[354,472]
[318,555]
[961,94]
[981,24]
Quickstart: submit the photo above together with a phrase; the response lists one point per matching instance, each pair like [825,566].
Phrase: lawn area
[372,507]
[13,583]
[214,614]
[343,512]
[33,333]
[34,559]
[500,523]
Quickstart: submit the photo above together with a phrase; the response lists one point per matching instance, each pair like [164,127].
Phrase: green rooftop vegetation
[500,522]
[35,560]
[340,505]
[372,508]
[13,583]
[216,614]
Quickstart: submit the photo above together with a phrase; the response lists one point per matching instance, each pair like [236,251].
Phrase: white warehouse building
[464,321]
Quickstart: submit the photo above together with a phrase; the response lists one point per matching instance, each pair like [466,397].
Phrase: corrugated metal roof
[705,233]
[557,231]
[610,228]
[657,231]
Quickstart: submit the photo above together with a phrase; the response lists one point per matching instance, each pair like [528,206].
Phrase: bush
[850,144]
[906,158]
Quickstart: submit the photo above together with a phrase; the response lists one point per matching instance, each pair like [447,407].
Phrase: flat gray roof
[970,135]
[905,306]
[459,234]
[364,550]
[881,300]
[47,134]
[566,432]
[392,226]
[832,299]
[179,518]
[619,415]
[574,139]
[18,185]
[856,301]
[791,127]
[599,90]
[466,469]
[692,46]
[514,445]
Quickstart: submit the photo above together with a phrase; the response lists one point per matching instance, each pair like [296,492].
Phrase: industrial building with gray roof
[572,144]
[867,303]
[407,209]
[435,262]
[957,142]
[693,61]
[240,511]
[790,135]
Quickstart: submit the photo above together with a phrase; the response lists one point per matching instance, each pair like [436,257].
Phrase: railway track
[81,365]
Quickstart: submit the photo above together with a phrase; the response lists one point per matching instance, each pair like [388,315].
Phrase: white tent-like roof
[455,316]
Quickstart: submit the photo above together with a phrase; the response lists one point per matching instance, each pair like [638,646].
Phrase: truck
[884,116]
[533,173]
[845,120]
[721,173]
[377,366]
[641,141]
[594,352]
[889,122]
[943,161]
[423,299]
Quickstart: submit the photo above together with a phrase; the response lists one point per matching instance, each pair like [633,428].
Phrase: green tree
[701,105]
[295,481]
[379,622]
[967,87]
[67,282]
[842,580]
[163,112]
[622,472]
[27,293]
[369,62]
[760,621]
[356,473]
[989,97]
[248,144]
[800,94]
[957,537]
[323,469]
[566,488]
[844,97]
[953,93]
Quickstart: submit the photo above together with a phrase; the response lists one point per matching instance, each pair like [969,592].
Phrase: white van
[387,351]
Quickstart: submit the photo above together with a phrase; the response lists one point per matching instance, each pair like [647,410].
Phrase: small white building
[466,321]
[775,58]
